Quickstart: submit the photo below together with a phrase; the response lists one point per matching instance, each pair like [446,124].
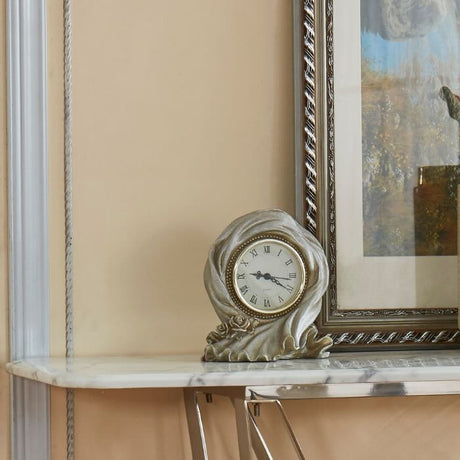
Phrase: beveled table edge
[181,371]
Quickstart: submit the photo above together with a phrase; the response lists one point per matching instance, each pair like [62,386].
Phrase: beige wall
[182,121]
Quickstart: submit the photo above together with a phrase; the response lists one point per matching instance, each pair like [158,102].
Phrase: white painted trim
[28,221]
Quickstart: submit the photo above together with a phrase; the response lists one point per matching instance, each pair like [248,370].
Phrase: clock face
[268,277]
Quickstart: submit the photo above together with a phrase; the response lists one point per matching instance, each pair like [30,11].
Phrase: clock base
[245,339]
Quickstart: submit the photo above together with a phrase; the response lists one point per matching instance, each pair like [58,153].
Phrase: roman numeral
[292,275]
[288,262]
[267,303]
[244,289]
[279,252]
[289,288]
[244,263]
[253,253]
[281,300]
[253,299]
[267,249]
[241,276]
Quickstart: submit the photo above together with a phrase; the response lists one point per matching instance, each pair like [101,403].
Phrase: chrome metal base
[250,437]
[248,400]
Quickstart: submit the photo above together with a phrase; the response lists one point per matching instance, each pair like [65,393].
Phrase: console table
[249,385]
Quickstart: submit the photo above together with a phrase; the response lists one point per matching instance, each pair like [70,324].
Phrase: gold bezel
[230,277]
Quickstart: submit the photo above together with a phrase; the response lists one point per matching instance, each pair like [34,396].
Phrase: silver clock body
[265,276]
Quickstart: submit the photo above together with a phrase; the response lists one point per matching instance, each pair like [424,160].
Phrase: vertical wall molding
[28,221]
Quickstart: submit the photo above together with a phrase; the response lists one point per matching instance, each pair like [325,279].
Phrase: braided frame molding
[309,92]
[446,337]
[320,213]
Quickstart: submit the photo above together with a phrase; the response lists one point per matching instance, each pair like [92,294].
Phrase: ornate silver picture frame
[364,326]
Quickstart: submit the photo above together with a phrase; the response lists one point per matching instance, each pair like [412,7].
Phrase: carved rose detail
[241,323]
[220,333]
[236,325]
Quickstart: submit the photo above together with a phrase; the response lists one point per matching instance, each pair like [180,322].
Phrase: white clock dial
[268,276]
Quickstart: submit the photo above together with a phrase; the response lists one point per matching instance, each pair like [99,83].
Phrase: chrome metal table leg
[258,441]
[195,424]
[242,428]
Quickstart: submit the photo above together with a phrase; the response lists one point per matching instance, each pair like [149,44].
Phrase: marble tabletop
[168,371]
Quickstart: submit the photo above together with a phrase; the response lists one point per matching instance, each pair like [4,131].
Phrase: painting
[409,62]
[377,148]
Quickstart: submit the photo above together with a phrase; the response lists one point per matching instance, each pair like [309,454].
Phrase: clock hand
[274,279]
[259,274]
[278,283]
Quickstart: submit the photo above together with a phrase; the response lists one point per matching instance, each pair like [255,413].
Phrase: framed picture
[377,146]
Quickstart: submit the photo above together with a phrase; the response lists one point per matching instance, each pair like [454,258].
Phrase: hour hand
[258,275]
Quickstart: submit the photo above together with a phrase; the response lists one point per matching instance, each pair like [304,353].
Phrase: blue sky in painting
[435,50]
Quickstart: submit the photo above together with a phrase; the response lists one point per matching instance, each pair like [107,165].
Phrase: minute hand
[274,279]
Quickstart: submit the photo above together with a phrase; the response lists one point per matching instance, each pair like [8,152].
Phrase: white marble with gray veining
[189,371]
